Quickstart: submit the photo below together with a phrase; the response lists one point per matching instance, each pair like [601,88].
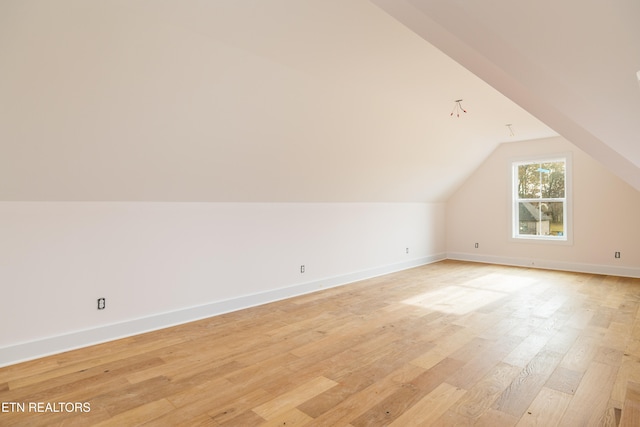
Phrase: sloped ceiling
[237,101]
[574,64]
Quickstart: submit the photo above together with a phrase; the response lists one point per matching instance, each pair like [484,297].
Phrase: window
[540,208]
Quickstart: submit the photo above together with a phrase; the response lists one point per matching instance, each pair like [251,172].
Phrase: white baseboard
[83,338]
[609,270]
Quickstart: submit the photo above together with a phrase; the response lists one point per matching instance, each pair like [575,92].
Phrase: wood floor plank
[196,393]
[197,411]
[563,340]
[476,368]
[484,393]
[493,418]
[454,419]
[450,343]
[336,362]
[356,378]
[428,409]
[295,397]
[444,349]
[90,380]
[524,388]
[630,415]
[527,349]
[629,370]
[608,356]
[323,402]
[292,417]
[247,418]
[228,409]
[551,306]
[139,414]
[581,353]
[590,402]
[564,380]
[359,403]
[546,409]
[408,394]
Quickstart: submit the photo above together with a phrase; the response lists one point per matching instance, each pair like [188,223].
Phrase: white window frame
[567,237]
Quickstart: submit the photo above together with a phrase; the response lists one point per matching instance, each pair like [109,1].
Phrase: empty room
[319,212]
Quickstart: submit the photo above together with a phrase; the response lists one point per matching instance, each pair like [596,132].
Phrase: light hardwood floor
[447,344]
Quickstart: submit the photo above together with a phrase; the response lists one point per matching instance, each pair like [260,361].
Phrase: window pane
[541,218]
[554,212]
[528,214]
[528,181]
[552,179]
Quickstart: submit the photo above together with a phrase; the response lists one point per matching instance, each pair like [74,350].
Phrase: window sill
[542,240]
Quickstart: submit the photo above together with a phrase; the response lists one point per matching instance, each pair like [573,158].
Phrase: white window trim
[567,239]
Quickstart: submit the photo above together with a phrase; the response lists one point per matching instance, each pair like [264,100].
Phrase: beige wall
[159,264]
[606,211]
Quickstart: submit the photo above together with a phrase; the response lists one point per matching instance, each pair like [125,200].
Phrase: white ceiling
[261,100]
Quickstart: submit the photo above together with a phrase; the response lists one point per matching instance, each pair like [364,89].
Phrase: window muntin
[540,200]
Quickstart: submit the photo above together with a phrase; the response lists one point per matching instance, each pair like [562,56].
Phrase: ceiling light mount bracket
[510,129]
[457,108]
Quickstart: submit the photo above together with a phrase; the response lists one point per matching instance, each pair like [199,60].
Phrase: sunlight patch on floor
[470,295]
[500,282]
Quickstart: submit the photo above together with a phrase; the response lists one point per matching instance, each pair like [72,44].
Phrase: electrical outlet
[407,250]
[102,303]
[302,269]
[477,245]
[617,255]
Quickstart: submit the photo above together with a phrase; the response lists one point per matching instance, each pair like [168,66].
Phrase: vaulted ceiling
[283,100]
[573,64]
